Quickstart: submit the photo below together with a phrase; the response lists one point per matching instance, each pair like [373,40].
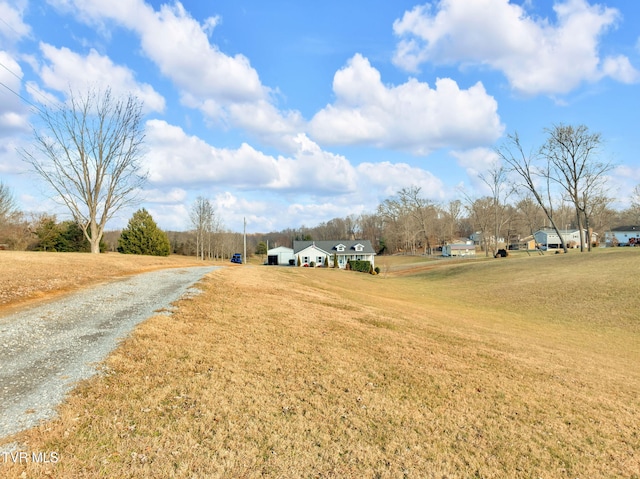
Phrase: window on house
[340,247]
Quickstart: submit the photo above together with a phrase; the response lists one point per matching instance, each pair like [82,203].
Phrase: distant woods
[561,184]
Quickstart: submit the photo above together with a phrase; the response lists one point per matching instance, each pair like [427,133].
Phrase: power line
[33,90]
[11,27]
[10,71]
[21,97]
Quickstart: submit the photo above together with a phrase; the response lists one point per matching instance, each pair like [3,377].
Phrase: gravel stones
[46,349]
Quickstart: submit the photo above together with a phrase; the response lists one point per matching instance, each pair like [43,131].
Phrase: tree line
[88,151]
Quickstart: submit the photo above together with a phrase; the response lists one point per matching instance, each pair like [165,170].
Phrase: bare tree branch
[89,152]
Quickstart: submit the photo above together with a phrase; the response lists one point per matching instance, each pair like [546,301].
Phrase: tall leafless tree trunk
[7,204]
[573,154]
[422,211]
[203,219]
[496,179]
[88,151]
[513,154]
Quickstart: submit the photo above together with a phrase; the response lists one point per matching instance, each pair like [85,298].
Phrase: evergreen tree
[72,238]
[261,249]
[67,236]
[48,233]
[142,236]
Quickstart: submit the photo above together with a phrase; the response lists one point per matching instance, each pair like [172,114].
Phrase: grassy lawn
[31,275]
[519,367]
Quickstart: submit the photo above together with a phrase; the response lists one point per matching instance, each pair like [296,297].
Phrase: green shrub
[377,269]
[360,265]
[62,237]
[142,236]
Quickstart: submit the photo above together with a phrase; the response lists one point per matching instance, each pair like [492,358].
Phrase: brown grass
[296,372]
[28,276]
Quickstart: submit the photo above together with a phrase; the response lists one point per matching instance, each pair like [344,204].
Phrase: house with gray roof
[322,253]
[623,236]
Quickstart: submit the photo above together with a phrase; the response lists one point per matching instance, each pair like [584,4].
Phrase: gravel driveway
[46,349]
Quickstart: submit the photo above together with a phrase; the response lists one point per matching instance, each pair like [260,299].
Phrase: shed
[281,256]
[459,249]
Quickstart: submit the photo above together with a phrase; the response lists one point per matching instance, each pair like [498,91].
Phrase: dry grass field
[28,276]
[524,367]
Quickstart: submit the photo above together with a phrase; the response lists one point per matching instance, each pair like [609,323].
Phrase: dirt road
[46,349]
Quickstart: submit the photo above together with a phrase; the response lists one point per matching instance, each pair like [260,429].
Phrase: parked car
[236,258]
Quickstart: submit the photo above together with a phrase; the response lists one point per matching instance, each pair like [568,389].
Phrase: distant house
[548,238]
[523,244]
[322,253]
[281,256]
[479,238]
[623,236]
[459,249]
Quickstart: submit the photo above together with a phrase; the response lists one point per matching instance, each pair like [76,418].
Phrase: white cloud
[620,68]
[66,69]
[537,55]
[411,117]
[10,160]
[227,89]
[12,26]
[180,46]
[167,197]
[14,116]
[388,178]
[295,186]
[175,157]
[476,160]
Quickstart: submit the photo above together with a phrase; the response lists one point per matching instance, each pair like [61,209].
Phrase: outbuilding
[281,256]
[459,249]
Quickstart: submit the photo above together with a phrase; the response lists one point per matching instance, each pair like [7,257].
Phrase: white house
[478,238]
[548,238]
[281,256]
[623,236]
[459,249]
[322,253]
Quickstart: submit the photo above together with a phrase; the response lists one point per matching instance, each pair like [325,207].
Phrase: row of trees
[568,166]
[88,151]
[399,226]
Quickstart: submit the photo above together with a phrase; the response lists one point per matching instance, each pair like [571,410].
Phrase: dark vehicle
[236,258]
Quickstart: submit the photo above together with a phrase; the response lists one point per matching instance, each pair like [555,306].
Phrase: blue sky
[290,113]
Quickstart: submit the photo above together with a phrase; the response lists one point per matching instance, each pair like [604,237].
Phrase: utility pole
[244,257]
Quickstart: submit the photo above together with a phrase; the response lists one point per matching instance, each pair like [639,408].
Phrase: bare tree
[206,225]
[200,215]
[530,214]
[482,215]
[453,214]
[7,204]
[423,212]
[399,233]
[496,179]
[370,226]
[634,209]
[88,151]
[534,178]
[573,153]
[635,197]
